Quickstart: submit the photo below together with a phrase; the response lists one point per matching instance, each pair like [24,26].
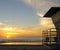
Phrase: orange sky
[35,31]
[10,32]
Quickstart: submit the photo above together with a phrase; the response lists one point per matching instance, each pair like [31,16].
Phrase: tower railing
[49,36]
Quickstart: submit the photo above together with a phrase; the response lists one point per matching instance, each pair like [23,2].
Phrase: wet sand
[24,46]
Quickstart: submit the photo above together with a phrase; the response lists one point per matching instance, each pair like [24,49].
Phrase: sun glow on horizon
[12,32]
[7,36]
[10,35]
[8,28]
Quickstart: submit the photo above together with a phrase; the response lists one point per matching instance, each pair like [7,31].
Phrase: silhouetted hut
[54,13]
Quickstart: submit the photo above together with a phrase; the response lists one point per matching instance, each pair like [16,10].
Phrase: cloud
[2,24]
[42,6]
[39,14]
[19,32]
[46,23]
[27,32]
[28,1]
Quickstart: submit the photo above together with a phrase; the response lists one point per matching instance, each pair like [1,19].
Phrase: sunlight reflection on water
[21,43]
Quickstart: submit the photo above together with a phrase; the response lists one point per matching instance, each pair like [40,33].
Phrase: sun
[10,34]
[7,35]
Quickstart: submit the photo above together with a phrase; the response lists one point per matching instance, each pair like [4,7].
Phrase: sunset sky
[24,18]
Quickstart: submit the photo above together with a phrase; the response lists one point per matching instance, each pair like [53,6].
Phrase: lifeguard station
[54,14]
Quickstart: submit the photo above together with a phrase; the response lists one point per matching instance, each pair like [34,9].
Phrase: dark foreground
[24,47]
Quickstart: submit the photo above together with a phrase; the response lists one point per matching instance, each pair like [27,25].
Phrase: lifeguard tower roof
[52,11]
